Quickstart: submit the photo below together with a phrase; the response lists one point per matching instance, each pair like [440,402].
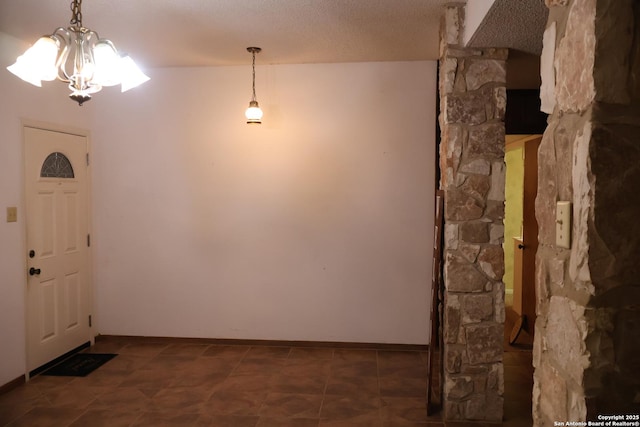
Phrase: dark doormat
[79,365]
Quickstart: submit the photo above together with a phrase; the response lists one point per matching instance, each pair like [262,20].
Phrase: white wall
[475,11]
[20,100]
[315,225]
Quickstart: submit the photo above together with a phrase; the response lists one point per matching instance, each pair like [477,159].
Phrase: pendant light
[254,113]
[78,56]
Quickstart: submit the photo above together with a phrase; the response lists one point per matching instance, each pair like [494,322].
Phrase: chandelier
[78,56]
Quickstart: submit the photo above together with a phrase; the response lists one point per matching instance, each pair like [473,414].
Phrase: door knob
[34,271]
[520,246]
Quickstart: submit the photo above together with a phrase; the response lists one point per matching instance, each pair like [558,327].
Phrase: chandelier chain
[76,10]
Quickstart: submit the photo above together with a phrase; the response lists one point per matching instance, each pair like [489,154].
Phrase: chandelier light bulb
[38,62]
[108,67]
[131,75]
[78,56]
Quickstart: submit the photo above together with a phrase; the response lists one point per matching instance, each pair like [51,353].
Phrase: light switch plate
[12,214]
[563,224]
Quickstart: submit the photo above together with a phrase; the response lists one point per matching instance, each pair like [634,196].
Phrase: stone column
[472,101]
[587,342]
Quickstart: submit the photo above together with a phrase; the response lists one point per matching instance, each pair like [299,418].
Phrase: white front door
[58,279]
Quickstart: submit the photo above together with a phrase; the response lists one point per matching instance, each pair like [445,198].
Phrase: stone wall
[472,100]
[587,343]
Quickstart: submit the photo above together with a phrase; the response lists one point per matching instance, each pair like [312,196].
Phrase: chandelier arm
[83,60]
[92,38]
[63,37]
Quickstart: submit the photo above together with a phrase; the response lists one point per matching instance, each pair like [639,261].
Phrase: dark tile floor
[190,384]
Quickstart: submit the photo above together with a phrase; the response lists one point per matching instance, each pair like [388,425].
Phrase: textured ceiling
[182,33]
[168,33]
[516,24]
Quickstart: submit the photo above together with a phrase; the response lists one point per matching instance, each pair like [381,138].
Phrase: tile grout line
[380,414]
[324,390]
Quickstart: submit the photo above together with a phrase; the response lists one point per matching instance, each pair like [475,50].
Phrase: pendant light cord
[253,66]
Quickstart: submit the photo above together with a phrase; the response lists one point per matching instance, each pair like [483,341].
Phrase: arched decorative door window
[56,165]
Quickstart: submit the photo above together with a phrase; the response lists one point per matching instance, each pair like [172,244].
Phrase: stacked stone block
[587,343]
[473,101]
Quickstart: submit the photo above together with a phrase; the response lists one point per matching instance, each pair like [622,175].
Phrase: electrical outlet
[12,214]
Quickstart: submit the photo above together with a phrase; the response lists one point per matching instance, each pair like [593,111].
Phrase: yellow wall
[513,207]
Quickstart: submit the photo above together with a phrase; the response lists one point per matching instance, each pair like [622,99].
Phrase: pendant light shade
[78,56]
[38,62]
[253,113]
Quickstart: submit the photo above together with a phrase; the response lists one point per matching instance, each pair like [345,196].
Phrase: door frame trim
[54,127]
